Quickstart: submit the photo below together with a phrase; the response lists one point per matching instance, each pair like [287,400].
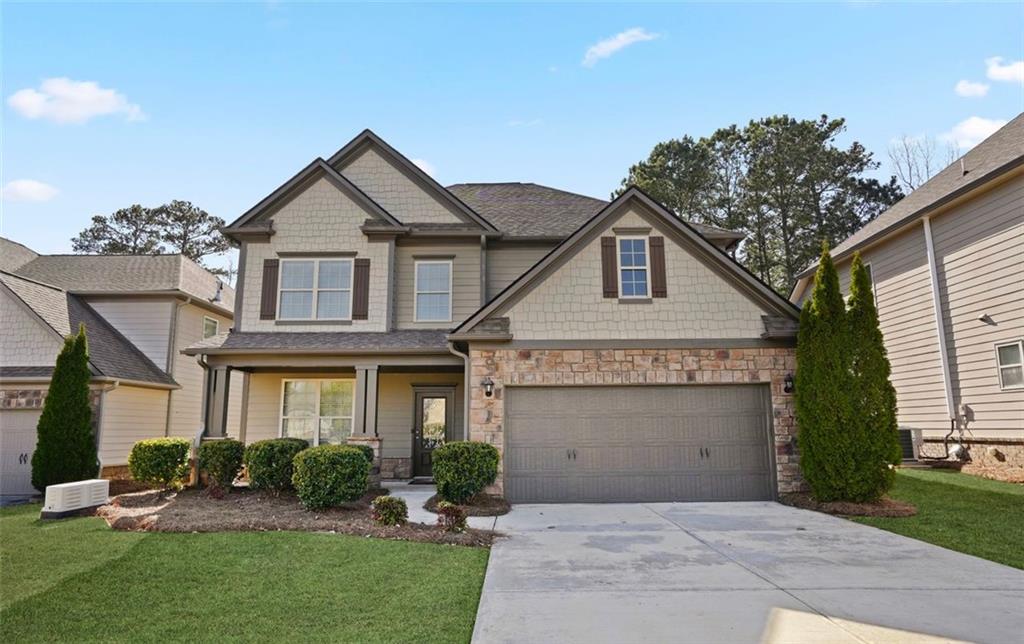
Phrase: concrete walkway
[733,572]
[416,495]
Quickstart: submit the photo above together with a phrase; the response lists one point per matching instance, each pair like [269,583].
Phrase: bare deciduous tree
[915,159]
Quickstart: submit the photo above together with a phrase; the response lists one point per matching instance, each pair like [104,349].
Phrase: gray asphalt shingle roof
[125,274]
[110,353]
[411,340]
[1004,147]
[532,210]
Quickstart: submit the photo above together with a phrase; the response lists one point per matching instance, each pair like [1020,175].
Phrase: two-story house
[611,351]
[139,313]
[947,264]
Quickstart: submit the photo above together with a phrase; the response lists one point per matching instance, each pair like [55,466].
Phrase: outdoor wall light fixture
[788,385]
[488,386]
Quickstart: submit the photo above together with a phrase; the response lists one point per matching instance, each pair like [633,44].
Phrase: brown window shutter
[361,289]
[658,287]
[609,266]
[268,292]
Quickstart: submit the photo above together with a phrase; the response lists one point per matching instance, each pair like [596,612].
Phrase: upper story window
[633,267]
[1010,361]
[433,291]
[315,289]
[211,327]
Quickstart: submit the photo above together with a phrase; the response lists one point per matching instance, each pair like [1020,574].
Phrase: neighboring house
[139,312]
[947,263]
[610,351]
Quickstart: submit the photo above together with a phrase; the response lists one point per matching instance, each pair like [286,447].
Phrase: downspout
[170,358]
[99,422]
[947,381]
[465,389]
[201,361]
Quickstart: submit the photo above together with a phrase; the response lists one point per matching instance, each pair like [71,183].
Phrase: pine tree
[823,386]
[65,444]
[873,398]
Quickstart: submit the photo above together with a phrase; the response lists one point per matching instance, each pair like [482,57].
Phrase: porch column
[364,417]
[218,384]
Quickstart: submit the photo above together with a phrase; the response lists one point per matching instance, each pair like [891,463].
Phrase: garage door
[17,442]
[641,443]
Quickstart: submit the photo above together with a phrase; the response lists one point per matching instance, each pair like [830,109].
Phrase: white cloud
[424,165]
[28,190]
[971,131]
[971,89]
[1010,72]
[524,122]
[63,100]
[619,41]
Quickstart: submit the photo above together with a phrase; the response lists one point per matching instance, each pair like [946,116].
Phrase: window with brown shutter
[361,289]
[658,285]
[609,267]
[268,291]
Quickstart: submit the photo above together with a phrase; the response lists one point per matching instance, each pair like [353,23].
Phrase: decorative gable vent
[68,498]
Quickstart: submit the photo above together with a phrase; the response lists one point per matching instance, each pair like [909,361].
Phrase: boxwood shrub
[389,510]
[366,450]
[268,463]
[160,461]
[221,460]
[330,475]
[462,469]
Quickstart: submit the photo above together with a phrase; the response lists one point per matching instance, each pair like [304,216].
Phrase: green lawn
[960,512]
[77,580]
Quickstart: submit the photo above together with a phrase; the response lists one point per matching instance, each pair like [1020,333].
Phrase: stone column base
[374,442]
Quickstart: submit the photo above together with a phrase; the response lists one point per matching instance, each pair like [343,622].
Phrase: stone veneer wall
[636,367]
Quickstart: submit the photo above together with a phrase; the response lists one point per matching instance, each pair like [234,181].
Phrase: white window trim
[646,267]
[315,289]
[1000,367]
[216,322]
[318,381]
[416,288]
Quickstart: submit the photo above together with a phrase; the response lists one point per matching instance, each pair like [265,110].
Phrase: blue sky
[221,103]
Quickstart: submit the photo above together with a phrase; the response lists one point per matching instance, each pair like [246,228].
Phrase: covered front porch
[403,405]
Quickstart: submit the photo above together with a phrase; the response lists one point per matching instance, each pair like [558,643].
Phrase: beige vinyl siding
[25,340]
[144,321]
[980,251]
[395,409]
[186,403]
[465,281]
[505,263]
[130,414]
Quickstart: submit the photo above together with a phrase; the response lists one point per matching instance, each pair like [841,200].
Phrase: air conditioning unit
[67,499]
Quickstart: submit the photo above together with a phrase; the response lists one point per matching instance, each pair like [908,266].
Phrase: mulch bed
[127,486]
[245,510]
[1001,473]
[481,505]
[884,507]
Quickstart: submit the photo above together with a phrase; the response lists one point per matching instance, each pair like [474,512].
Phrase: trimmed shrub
[462,469]
[451,517]
[268,463]
[873,398]
[330,475]
[65,443]
[160,461]
[221,460]
[366,450]
[389,510]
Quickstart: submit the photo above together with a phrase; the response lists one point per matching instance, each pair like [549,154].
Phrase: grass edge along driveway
[77,580]
[965,513]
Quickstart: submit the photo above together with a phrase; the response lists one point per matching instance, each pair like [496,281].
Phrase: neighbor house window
[433,291]
[211,327]
[1010,361]
[319,411]
[315,289]
[633,267]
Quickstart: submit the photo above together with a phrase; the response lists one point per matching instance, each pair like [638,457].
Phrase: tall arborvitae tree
[823,388]
[873,398]
[65,444]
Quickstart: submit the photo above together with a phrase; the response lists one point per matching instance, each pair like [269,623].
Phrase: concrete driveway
[733,572]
